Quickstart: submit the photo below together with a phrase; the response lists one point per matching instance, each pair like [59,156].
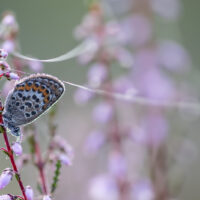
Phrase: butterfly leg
[14,130]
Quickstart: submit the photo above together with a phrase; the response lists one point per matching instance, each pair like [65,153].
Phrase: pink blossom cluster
[145,60]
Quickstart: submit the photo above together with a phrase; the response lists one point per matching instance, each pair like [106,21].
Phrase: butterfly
[29,99]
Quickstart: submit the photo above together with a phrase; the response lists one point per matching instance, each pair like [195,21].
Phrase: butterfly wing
[31,97]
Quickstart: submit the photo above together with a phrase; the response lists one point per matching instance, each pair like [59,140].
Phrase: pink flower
[46,197]
[65,159]
[156,129]
[29,193]
[94,141]
[124,85]
[6,177]
[103,187]
[92,46]
[4,66]
[22,160]
[13,76]
[7,197]
[35,66]
[117,164]
[154,84]
[143,191]
[3,54]
[17,148]
[136,30]
[97,74]
[124,57]
[9,19]
[8,46]
[172,55]
[102,113]
[82,96]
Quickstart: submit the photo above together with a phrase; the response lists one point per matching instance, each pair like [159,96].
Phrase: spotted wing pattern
[31,97]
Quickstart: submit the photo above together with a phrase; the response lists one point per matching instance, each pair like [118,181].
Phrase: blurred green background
[46,31]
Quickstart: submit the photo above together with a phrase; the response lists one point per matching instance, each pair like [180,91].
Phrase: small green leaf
[31,142]
[17,176]
[56,176]
[1,129]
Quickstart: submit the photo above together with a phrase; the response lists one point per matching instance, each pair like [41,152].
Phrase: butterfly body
[29,99]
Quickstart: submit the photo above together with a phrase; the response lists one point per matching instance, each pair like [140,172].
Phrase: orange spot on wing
[34,87]
[20,87]
[41,90]
[27,87]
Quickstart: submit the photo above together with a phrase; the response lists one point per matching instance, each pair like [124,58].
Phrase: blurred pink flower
[124,85]
[3,54]
[22,160]
[117,164]
[135,30]
[142,191]
[13,76]
[94,141]
[145,59]
[35,66]
[6,177]
[90,53]
[46,197]
[89,24]
[103,187]
[172,55]
[153,84]
[8,20]
[156,128]
[124,57]
[63,145]
[102,113]
[112,28]
[65,159]
[17,149]
[7,197]
[29,192]
[97,74]
[8,45]
[82,96]
[153,130]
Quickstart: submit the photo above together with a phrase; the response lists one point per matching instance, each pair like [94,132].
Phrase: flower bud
[102,113]
[7,197]
[6,177]
[65,159]
[3,54]
[29,192]
[4,66]
[17,149]
[46,197]
[13,76]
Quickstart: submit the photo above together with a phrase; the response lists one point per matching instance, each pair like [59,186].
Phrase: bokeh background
[47,30]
